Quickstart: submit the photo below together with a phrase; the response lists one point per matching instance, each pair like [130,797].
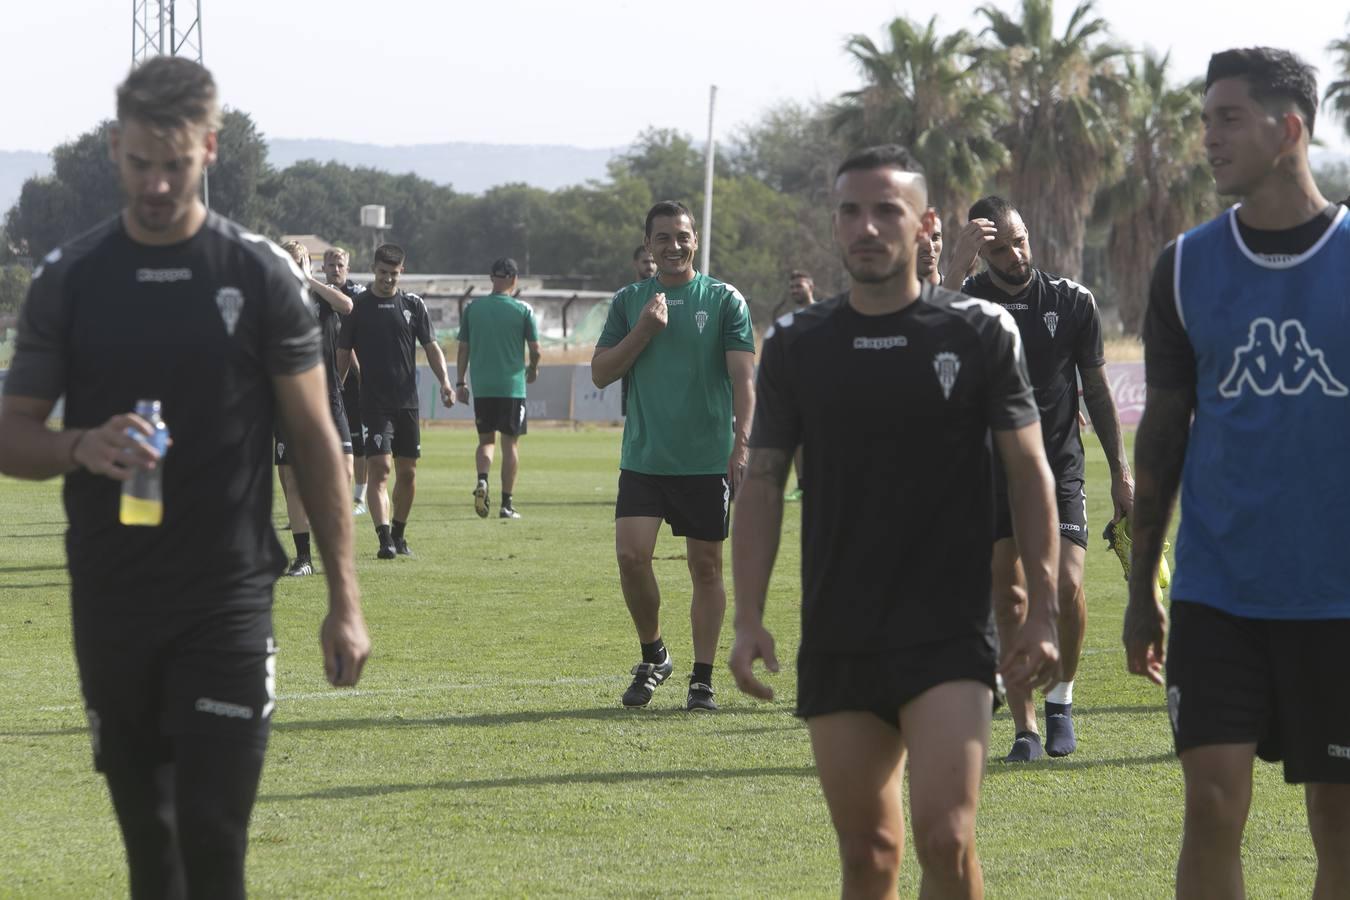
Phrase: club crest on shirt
[701,319]
[407,316]
[379,440]
[1279,359]
[947,366]
[1051,322]
[230,302]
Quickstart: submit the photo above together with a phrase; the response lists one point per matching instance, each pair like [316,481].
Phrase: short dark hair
[390,254]
[168,93]
[642,248]
[800,273]
[668,208]
[1272,76]
[994,208]
[882,156]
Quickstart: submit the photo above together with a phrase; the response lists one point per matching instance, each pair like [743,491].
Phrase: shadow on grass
[604,714]
[1045,764]
[37,584]
[355,792]
[57,568]
[35,534]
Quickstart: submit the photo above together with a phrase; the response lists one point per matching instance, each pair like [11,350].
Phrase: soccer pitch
[485,752]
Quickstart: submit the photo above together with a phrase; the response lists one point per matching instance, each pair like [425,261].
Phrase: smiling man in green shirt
[684,342]
[492,339]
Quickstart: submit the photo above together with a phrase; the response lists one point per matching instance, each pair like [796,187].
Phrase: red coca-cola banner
[1127,389]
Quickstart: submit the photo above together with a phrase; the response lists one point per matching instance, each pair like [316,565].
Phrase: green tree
[14,281]
[1165,186]
[1063,96]
[83,188]
[1338,92]
[794,150]
[920,90]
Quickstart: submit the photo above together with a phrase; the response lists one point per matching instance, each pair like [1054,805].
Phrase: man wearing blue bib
[1247,354]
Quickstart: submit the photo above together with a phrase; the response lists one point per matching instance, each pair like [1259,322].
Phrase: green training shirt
[679,392]
[496,328]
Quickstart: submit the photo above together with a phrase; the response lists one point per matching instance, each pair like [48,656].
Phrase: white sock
[360,495]
[1061,693]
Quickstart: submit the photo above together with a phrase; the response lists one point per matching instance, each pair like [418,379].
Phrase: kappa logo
[947,366]
[407,316]
[281,449]
[379,440]
[230,302]
[163,276]
[1051,322]
[1174,707]
[1279,360]
[880,343]
[95,728]
[701,319]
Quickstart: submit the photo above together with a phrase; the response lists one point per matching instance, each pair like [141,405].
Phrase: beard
[1014,278]
[868,275]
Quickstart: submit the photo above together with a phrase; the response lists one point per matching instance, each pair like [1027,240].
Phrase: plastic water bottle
[142,493]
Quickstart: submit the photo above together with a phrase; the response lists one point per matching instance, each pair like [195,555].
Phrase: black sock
[383,532]
[702,674]
[301,545]
[655,652]
[482,476]
[397,533]
[506,501]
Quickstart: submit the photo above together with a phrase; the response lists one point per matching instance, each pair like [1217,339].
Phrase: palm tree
[1338,92]
[1064,98]
[1165,186]
[920,91]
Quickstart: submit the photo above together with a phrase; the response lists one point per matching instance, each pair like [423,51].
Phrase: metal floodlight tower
[158,29]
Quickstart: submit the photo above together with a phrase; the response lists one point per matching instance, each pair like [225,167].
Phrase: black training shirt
[893,414]
[385,332]
[203,326]
[1062,333]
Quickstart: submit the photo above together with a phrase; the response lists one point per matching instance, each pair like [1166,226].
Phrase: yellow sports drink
[142,493]
[139,511]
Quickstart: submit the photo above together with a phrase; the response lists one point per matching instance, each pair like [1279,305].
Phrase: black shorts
[504,414]
[151,679]
[696,506]
[339,421]
[882,683]
[1277,683]
[396,431]
[1070,499]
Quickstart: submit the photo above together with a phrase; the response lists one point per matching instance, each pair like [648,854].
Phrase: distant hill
[468,168]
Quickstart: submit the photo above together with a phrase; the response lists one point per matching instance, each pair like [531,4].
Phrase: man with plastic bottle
[172,623]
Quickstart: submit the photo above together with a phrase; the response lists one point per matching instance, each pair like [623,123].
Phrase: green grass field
[485,753]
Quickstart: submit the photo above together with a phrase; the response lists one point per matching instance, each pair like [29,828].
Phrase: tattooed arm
[1106,422]
[754,547]
[1159,452]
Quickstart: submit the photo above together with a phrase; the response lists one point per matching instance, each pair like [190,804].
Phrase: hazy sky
[592,73]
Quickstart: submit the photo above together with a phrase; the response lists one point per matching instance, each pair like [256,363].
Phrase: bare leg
[1010,611]
[709,606]
[405,486]
[482,457]
[377,487]
[634,543]
[510,462]
[1072,608]
[946,729]
[1218,795]
[861,761]
[1329,822]
[295,507]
